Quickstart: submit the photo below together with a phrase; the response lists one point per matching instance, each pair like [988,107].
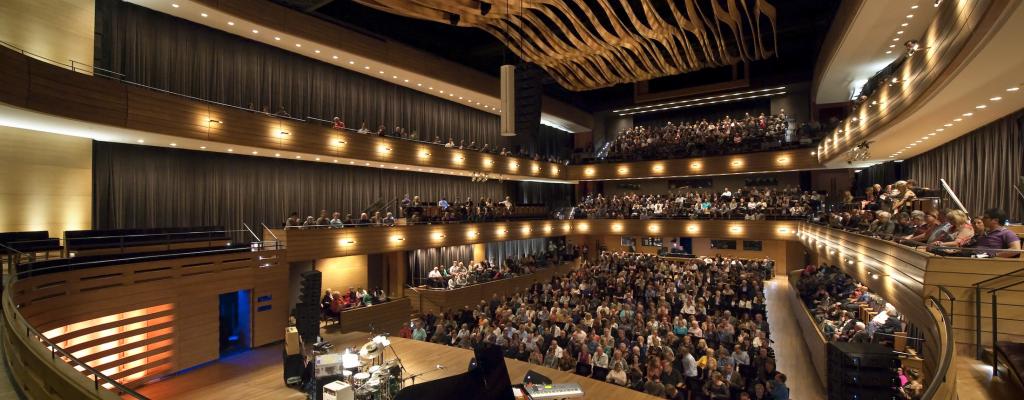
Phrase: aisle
[790,351]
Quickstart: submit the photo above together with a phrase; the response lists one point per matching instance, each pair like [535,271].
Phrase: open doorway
[235,322]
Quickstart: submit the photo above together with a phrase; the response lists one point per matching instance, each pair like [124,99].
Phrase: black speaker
[529,92]
[861,371]
[307,310]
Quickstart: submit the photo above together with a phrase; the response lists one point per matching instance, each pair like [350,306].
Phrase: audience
[634,320]
[835,299]
[702,138]
[746,203]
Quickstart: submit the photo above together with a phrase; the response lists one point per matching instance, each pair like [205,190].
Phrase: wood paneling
[768,161]
[812,337]
[47,181]
[192,286]
[424,300]
[310,244]
[380,317]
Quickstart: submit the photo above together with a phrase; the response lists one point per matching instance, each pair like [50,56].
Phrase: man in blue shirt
[443,204]
[779,389]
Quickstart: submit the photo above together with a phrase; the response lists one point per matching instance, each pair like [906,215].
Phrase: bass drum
[365,393]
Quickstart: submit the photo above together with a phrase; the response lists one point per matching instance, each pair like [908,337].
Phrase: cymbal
[370,350]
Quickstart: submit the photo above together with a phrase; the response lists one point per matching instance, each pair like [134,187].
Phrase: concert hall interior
[500,199]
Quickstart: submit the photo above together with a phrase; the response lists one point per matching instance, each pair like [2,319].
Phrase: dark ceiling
[802,25]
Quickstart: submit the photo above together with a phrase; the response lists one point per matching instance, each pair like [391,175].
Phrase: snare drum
[361,378]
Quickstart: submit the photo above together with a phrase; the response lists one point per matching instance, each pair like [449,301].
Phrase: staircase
[1006,352]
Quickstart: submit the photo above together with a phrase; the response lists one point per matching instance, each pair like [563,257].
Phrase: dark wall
[142,186]
[162,51]
[982,167]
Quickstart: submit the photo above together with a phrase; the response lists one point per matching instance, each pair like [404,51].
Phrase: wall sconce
[439,236]
[654,228]
[513,165]
[584,226]
[547,228]
[472,234]
[459,158]
[736,163]
[554,170]
[397,238]
[283,133]
[340,142]
[526,230]
[535,168]
[783,230]
[735,229]
[424,154]
[783,160]
[623,170]
[695,165]
[383,148]
[489,162]
[589,171]
[692,228]
[658,168]
[346,242]
[217,121]
[616,227]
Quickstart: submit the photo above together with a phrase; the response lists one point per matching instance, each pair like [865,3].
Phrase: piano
[554,391]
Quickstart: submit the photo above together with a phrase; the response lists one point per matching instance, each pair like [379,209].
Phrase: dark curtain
[421,261]
[165,52]
[497,252]
[141,186]
[883,174]
[981,167]
[553,195]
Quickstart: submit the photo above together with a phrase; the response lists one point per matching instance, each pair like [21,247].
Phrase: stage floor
[257,374]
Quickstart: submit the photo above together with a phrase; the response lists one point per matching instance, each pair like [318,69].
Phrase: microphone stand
[414,376]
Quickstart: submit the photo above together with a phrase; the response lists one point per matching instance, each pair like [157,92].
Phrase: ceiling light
[380,72]
[892,46]
[255,152]
[888,52]
[298,156]
[367,67]
[899,32]
[406,81]
[351,162]
[1013,89]
[431,88]
[958,119]
[298,45]
[318,158]
[351,62]
[419,84]
[141,141]
[202,147]
[334,57]
[203,15]
[174,145]
[940,129]
[968,114]
[913,7]
[231,150]
[814,153]
[231,23]
[910,15]
[335,160]
[896,39]
[905,24]
[948,125]
[316,51]
[277,38]
[918,141]
[255,31]
[981,106]
[997,98]
[175,5]
[931,134]
[394,76]
[913,144]
[460,97]
[441,91]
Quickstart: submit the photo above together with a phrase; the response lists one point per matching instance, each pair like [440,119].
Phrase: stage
[257,374]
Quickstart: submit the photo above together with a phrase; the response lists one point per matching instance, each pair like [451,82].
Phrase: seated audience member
[882,227]
[338,124]
[436,278]
[293,221]
[336,221]
[323,220]
[363,129]
[779,389]
[364,219]
[961,230]
[310,223]
[389,219]
[994,235]
[379,296]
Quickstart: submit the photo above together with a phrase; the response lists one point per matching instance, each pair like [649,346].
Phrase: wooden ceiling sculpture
[589,44]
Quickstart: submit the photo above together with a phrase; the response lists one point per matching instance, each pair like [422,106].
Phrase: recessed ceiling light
[940,129]
[913,144]
[981,106]
[997,98]
[175,5]
[905,24]
[918,141]
[460,97]
[888,52]
[910,15]
[419,84]
[255,152]
[441,91]
[899,32]
[405,80]
[367,164]
[926,138]
[318,158]
[450,95]
[892,46]
[232,23]
[174,145]
[968,114]
[316,51]
[298,156]
[231,150]
[141,141]
[394,76]
[255,31]
[203,15]
[895,39]
[277,38]
[380,72]
[913,7]
[277,154]
[202,147]
[366,67]
[335,160]
[931,134]
[892,156]
[334,57]
[298,45]
[351,62]
[351,162]
[948,125]
[957,119]
[1013,89]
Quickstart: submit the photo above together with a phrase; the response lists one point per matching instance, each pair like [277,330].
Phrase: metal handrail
[978,352]
[1006,286]
[267,229]
[979,283]
[947,355]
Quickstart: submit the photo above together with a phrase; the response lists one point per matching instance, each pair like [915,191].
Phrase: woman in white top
[617,375]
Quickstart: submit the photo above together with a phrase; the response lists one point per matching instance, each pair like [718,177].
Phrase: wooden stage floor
[258,374]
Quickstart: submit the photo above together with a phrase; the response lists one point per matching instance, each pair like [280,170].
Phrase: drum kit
[375,378]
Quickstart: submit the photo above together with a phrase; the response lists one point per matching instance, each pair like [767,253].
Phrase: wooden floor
[974,380]
[790,351]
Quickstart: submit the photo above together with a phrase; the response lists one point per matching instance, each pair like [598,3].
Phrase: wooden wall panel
[816,344]
[310,244]
[191,284]
[14,80]
[58,91]
[768,161]
[60,30]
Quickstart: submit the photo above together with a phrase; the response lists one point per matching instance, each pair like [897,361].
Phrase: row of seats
[28,242]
